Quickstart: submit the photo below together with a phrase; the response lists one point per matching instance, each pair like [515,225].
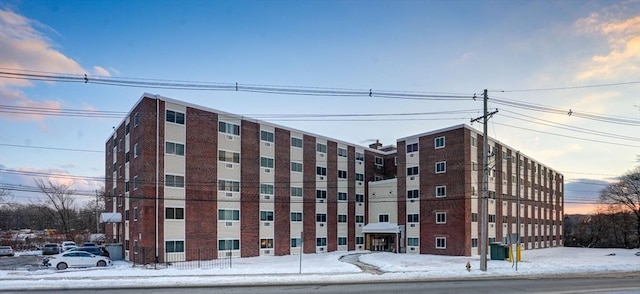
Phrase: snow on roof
[381,228]
[110,217]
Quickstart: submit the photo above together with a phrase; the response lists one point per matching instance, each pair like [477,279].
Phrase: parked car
[89,244]
[93,250]
[6,251]
[50,249]
[66,245]
[73,258]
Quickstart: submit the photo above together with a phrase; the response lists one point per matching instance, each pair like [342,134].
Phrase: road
[625,284]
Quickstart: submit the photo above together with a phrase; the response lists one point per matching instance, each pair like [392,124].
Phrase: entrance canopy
[110,217]
[376,228]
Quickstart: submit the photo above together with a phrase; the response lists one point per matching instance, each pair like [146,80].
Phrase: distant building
[186,177]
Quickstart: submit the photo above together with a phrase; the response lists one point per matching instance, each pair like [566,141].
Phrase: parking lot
[21,262]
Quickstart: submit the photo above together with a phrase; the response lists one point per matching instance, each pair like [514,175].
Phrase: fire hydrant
[468,266]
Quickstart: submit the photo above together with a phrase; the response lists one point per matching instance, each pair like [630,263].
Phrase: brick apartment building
[187,177]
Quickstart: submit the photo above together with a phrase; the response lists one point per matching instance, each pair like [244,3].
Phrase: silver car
[6,251]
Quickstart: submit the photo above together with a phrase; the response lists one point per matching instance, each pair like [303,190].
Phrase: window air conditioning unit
[267,197]
[267,144]
[267,251]
[359,246]
[360,162]
[412,225]
[413,249]
[413,200]
[412,178]
[360,183]
[359,225]
[227,253]
[322,224]
[267,224]
[229,137]
[491,225]
[228,194]
[267,170]
[321,200]
[359,203]
[321,154]
[229,165]
[411,154]
[321,178]
[228,224]
[321,248]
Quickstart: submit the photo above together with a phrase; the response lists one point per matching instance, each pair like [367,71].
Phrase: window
[296,191]
[413,194]
[136,119]
[266,162]
[175,117]
[359,198]
[135,246]
[229,156]
[266,136]
[174,148]
[379,161]
[266,189]
[383,218]
[231,186]
[342,240]
[127,128]
[441,191]
[135,150]
[228,214]
[233,244]
[441,167]
[413,218]
[296,242]
[174,246]
[296,142]
[228,128]
[174,181]
[474,242]
[359,156]
[135,214]
[359,240]
[474,142]
[296,216]
[321,171]
[439,142]
[474,166]
[135,183]
[321,241]
[296,166]
[441,217]
[412,147]
[474,217]
[342,218]
[174,213]
[342,152]
[321,194]
[266,243]
[342,196]
[322,148]
[359,219]
[413,242]
[126,157]
[359,177]
[492,218]
[412,171]
[126,215]
[441,242]
[321,217]
[266,216]
[342,174]
[126,186]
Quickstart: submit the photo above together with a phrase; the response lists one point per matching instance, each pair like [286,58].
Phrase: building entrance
[380,242]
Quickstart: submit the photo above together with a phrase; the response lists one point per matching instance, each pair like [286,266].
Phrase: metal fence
[189,259]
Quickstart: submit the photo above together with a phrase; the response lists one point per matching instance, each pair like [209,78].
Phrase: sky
[327,267]
[564,76]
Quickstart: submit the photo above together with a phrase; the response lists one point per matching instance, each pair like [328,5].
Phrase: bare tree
[625,195]
[59,197]
[4,195]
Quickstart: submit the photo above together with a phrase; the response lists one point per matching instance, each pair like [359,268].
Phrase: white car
[76,259]
[66,245]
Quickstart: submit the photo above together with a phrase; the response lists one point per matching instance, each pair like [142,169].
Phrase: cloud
[622,58]
[26,48]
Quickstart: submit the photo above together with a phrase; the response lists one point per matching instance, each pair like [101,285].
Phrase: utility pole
[485,183]
[517,206]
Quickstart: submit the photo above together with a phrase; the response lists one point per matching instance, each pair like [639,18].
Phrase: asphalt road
[627,283]
[20,262]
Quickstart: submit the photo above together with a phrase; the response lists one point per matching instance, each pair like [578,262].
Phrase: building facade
[186,177]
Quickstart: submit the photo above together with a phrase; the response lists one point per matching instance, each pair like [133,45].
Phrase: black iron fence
[189,259]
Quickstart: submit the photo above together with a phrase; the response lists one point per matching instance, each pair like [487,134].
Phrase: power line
[572,87]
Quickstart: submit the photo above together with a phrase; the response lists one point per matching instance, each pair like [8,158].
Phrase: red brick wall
[309,194]
[201,163]
[402,186]
[282,208]
[332,196]
[250,189]
[351,194]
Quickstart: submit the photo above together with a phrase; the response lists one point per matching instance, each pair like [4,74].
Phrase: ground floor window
[441,242]
[321,241]
[229,244]
[174,246]
[266,243]
[359,240]
[342,240]
[413,242]
[296,242]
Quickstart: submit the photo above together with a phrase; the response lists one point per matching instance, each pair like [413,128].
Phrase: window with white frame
[229,186]
[379,161]
[359,177]
[441,242]
[342,218]
[174,246]
[135,183]
[135,150]
[441,167]
[296,191]
[413,194]
[228,128]
[359,240]
[321,241]
[342,240]
[359,219]
[296,242]
[441,217]
[175,117]
[228,244]
[266,243]
[359,197]
[413,171]
[359,156]
[135,213]
[176,213]
[342,196]
[172,148]
[228,214]
[322,148]
[474,242]
[296,142]
[383,218]
[412,147]
[321,171]
[439,142]
[266,189]
[266,215]
[413,242]
[136,119]
[321,217]
[321,194]
[342,152]
[413,218]
[342,174]
[474,141]
[229,156]
[296,216]
[296,166]
[266,136]
[174,181]
[266,162]
[441,191]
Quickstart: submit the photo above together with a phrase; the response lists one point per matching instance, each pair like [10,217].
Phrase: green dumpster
[498,251]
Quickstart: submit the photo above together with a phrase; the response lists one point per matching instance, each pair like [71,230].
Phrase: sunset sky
[564,76]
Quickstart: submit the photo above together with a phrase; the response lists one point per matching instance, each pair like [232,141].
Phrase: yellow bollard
[519,253]
[510,254]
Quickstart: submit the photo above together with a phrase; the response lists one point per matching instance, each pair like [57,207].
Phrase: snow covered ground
[328,268]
